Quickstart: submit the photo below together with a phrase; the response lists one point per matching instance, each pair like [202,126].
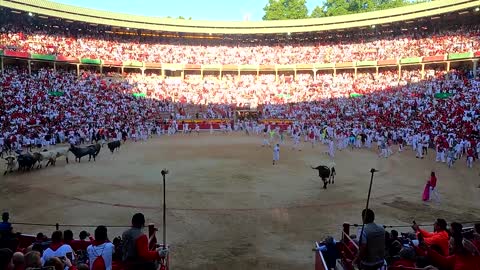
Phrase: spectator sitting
[407,257]
[395,245]
[57,248]
[81,244]
[464,255]
[101,247]
[18,261]
[67,237]
[329,251]
[83,235]
[82,266]
[33,259]
[40,240]
[60,263]
[135,247]
[438,237]
[6,259]
[372,243]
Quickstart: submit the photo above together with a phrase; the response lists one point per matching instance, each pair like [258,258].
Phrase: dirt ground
[228,207]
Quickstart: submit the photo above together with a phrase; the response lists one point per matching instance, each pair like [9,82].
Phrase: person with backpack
[100,252]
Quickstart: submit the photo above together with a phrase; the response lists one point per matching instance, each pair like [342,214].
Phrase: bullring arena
[395,90]
[227,206]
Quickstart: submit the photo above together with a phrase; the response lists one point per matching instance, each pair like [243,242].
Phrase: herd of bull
[28,161]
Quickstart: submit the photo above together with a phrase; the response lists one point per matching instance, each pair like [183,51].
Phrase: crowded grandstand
[400,85]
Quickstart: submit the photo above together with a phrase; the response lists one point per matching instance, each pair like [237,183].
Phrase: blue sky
[224,10]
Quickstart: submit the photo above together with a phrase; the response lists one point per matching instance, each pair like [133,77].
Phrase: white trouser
[440,157]
[434,196]
[450,162]
[469,162]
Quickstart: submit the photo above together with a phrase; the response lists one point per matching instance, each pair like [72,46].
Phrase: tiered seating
[24,35]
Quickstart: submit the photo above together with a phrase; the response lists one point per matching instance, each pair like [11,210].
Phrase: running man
[276,153]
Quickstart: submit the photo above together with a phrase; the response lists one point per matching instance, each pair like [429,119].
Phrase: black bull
[114,145]
[27,161]
[326,174]
[91,151]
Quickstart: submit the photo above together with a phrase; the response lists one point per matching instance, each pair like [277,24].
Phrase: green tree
[317,12]
[285,10]
[343,7]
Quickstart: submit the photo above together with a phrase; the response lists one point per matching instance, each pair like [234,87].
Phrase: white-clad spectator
[101,251]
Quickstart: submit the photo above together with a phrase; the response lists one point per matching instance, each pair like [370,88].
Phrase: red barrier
[347,249]
[153,65]
[16,54]
[477,54]
[112,63]
[267,67]
[69,59]
[192,66]
[388,62]
[344,64]
[230,67]
[434,58]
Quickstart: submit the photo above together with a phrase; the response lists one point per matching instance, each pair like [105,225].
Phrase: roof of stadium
[409,14]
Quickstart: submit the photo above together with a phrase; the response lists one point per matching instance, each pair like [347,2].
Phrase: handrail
[320,263]
[57,225]
[351,241]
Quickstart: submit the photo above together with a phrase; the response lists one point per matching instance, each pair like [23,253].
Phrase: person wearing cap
[136,254]
[439,236]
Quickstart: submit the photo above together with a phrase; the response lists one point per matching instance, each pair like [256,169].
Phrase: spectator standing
[5,226]
[135,247]
[101,247]
[372,243]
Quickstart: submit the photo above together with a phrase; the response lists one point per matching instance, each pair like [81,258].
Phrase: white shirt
[105,250]
[60,252]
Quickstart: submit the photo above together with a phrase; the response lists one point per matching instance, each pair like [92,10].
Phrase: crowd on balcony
[57,39]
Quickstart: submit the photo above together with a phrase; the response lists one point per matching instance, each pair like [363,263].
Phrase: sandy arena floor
[228,207]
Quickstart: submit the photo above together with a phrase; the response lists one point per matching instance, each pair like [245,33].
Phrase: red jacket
[436,238]
[455,262]
[433,181]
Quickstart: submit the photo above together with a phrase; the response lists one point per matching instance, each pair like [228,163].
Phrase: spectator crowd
[448,247]
[132,251]
[71,40]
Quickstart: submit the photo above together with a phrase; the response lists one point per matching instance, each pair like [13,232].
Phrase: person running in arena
[276,153]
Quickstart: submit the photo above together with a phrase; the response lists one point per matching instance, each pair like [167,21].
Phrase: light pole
[164,172]
[372,171]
